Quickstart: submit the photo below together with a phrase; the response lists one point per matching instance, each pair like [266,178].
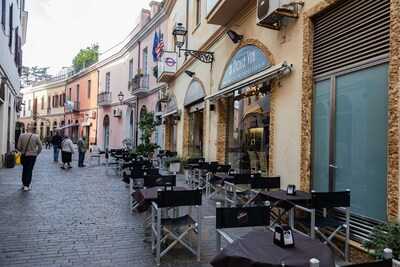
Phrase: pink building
[128,83]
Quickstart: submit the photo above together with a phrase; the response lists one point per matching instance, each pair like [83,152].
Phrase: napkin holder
[291,190]
[283,236]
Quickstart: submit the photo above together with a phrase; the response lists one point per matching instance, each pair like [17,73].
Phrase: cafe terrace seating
[329,200]
[234,217]
[176,228]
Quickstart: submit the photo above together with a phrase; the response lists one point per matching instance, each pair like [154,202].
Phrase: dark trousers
[56,151]
[81,158]
[28,164]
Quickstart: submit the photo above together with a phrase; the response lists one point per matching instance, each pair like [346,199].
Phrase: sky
[58,29]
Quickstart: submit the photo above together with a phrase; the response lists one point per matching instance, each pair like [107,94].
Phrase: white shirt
[67,145]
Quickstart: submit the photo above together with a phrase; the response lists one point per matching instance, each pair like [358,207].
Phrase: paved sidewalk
[78,217]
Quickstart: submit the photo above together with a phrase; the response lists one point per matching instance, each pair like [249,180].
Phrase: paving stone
[80,217]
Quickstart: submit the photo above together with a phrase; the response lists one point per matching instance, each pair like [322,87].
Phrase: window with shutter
[349,33]
[3,14]
[10,24]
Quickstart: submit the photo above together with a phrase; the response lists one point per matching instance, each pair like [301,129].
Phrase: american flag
[160,45]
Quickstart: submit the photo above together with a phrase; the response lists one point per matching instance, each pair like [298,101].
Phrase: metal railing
[139,82]
[77,106]
[104,99]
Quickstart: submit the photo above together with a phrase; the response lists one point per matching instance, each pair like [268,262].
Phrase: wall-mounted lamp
[179,34]
[234,36]
[121,97]
[190,73]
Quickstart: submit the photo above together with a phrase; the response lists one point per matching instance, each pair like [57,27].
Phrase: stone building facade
[285,102]
[13,27]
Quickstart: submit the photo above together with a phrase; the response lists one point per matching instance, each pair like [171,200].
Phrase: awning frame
[265,75]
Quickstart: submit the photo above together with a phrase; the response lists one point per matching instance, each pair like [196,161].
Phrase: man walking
[56,142]
[82,147]
[30,146]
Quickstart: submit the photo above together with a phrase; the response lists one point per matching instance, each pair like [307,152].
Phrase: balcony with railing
[77,106]
[220,12]
[139,85]
[104,99]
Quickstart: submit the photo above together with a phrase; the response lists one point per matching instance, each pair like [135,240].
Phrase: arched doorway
[171,116]
[106,131]
[159,132]
[131,130]
[194,121]
[243,103]
[143,111]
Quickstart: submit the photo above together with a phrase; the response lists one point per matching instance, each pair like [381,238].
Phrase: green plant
[86,57]
[147,126]
[170,160]
[384,236]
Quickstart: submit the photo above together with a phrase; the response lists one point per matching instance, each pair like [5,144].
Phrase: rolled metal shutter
[350,32]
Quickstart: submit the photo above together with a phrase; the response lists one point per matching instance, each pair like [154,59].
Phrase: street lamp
[179,34]
[121,97]
[234,36]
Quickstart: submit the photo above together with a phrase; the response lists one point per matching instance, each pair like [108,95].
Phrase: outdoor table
[300,200]
[257,249]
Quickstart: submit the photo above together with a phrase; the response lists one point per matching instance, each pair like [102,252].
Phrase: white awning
[86,124]
[67,126]
[265,75]
[169,113]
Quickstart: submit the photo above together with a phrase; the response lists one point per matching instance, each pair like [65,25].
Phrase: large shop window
[350,138]
[196,130]
[248,133]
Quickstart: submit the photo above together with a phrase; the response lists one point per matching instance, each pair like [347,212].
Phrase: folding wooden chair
[176,228]
[259,183]
[234,217]
[329,200]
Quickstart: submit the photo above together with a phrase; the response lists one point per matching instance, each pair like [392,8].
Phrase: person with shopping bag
[30,146]
[67,149]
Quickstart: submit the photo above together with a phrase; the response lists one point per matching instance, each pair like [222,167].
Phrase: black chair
[176,228]
[236,187]
[325,202]
[159,180]
[234,217]
[214,181]
[258,182]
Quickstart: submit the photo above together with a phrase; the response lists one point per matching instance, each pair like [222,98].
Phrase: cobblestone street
[78,218]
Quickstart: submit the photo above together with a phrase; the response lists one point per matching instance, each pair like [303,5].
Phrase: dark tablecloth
[256,249]
[300,197]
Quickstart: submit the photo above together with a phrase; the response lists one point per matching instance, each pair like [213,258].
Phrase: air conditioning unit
[117,112]
[271,12]
[163,94]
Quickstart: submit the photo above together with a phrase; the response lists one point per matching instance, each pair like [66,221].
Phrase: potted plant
[147,126]
[383,236]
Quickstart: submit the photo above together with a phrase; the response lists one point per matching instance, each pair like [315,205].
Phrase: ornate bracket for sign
[206,57]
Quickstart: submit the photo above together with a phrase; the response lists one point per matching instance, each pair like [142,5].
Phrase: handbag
[26,148]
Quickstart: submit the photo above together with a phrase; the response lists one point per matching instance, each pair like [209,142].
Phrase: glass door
[350,138]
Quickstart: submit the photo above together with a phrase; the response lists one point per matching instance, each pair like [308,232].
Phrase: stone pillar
[222,106]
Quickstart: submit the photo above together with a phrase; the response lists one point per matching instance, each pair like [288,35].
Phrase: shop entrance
[196,130]
[248,134]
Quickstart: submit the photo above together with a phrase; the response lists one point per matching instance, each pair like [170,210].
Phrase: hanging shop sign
[248,61]
[168,63]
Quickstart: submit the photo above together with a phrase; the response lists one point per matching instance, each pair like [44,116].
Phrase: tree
[147,125]
[33,74]
[86,57]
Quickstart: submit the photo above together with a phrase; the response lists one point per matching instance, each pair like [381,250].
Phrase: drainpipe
[137,100]
[187,23]
[97,107]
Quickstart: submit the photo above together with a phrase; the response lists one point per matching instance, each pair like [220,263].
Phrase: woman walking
[67,149]
[30,147]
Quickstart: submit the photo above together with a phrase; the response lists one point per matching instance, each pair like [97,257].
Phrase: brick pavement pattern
[79,217]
